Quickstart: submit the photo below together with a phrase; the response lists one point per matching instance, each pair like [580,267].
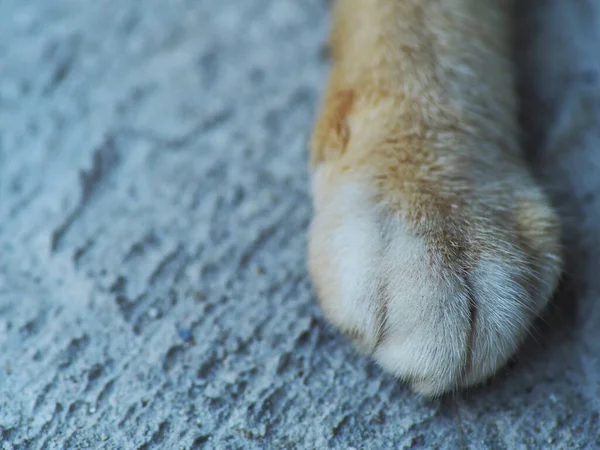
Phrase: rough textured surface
[153,204]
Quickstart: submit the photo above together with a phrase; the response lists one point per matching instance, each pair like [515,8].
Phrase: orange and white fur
[432,246]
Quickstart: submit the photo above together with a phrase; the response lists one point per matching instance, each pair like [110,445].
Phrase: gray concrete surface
[153,205]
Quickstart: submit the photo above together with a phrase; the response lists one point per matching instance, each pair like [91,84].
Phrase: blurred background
[153,208]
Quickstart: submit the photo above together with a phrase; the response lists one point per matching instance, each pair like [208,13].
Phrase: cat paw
[439,289]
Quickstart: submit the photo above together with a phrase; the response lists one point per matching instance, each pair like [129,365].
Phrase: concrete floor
[153,204]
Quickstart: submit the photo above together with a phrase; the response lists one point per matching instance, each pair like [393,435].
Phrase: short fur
[432,246]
